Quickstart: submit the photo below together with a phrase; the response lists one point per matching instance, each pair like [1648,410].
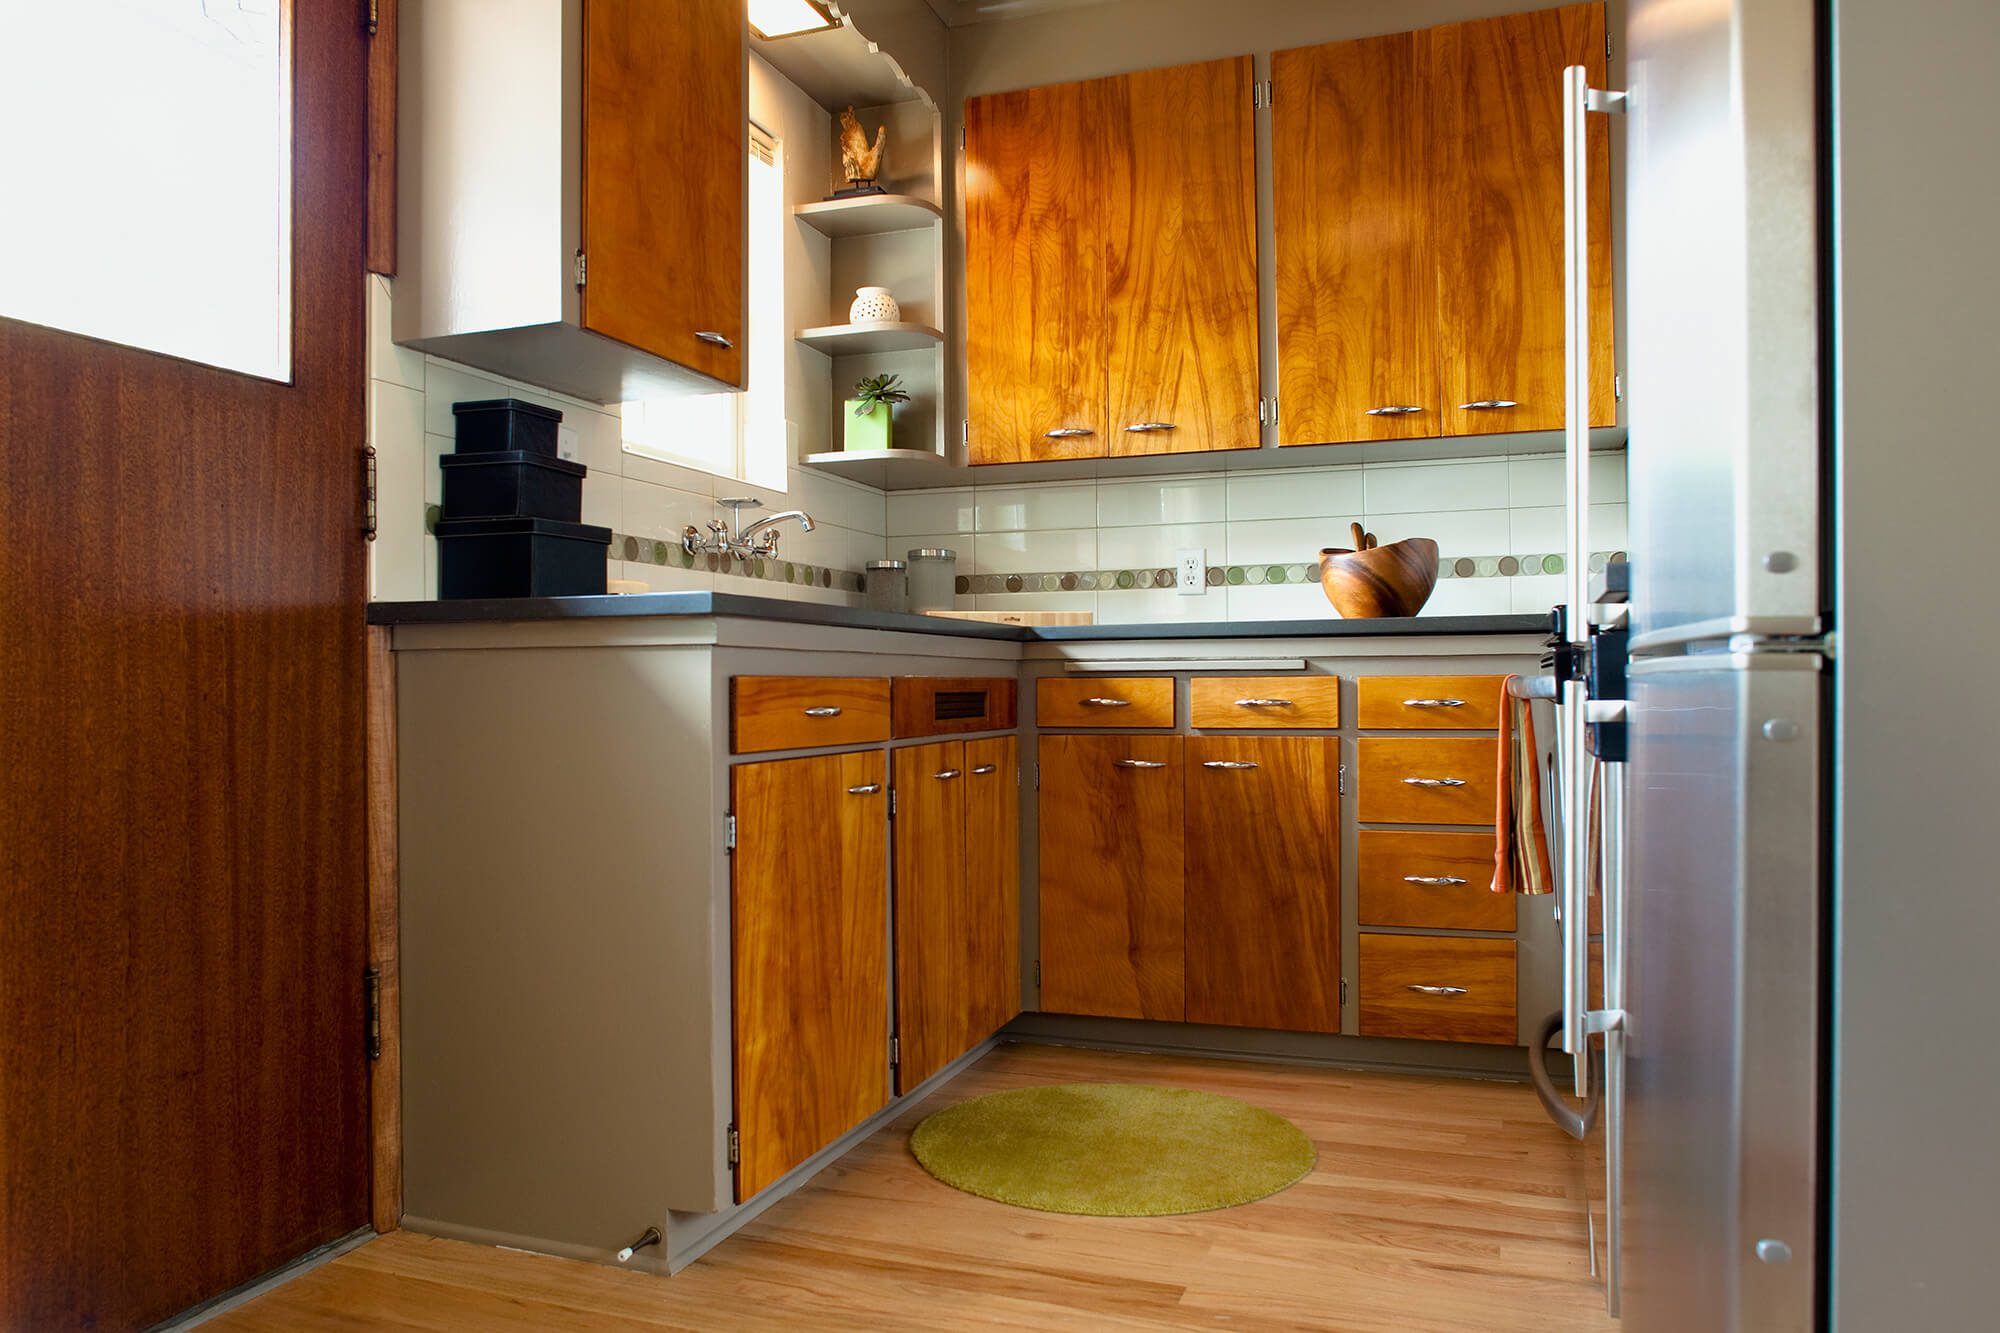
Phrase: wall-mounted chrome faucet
[754,541]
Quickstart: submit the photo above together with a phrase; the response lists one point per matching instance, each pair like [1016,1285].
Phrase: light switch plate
[566,443]
[1193,571]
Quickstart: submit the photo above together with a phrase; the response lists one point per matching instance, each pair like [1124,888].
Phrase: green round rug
[1113,1149]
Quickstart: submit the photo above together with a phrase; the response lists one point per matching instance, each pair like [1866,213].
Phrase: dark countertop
[815,613]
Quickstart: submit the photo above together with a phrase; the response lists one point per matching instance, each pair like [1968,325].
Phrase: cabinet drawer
[1456,703]
[799,712]
[1426,781]
[1399,876]
[1309,702]
[1105,701]
[942,705]
[1437,988]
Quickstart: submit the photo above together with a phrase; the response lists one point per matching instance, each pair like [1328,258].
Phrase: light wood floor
[1437,1204]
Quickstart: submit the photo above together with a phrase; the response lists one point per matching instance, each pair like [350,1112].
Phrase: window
[740,435]
[146,150]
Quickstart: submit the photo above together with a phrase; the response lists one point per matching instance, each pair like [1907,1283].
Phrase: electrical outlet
[566,443]
[1193,581]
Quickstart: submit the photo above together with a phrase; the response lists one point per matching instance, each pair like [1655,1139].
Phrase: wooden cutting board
[1020,617]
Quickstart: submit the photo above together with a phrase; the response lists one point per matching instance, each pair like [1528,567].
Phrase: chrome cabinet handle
[983,769]
[1227,763]
[823,712]
[1139,763]
[1433,703]
[1067,433]
[1263,703]
[866,789]
[1433,782]
[1439,990]
[711,336]
[1394,410]
[1107,703]
[945,774]
[1432,879]
[1487,404]
[1148,427]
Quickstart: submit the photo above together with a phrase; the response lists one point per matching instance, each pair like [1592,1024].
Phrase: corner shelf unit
[869,215]
[860,339]
[885,469]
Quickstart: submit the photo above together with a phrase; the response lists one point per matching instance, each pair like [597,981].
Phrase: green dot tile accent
[1235,576]
[1554,564]
[1487,566]
[1127,579]
[1597,563]
[659,553]
[1274,574]
[1144,578]
[1051,582]
[1254,575]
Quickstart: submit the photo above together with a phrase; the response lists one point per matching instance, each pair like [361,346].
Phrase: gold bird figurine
[861,160]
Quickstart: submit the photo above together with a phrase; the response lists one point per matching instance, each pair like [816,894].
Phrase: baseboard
[257,1286]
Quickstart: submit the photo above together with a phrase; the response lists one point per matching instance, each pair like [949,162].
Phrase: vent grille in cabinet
[957,705]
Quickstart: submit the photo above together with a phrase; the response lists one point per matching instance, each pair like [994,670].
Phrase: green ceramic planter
[868,431]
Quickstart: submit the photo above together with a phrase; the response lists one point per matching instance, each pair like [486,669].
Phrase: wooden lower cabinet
[1440,988]
[1263,881]
[957,858]
[810,956]
[1113,930]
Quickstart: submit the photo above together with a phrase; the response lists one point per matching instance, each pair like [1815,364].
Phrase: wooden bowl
[1392,580]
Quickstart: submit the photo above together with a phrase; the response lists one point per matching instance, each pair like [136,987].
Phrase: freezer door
[1724,896]
[1722,318]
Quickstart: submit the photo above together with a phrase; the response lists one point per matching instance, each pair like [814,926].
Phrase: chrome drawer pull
[945,774]
[1263,703]
[1433,782]
[868,789]
[983,769]
[1432,879]
[823,712]
[709,336]
[1227,763]
[1148,427]
[1139,763]
[1486,404]
[1107,703]
[1433,703]
[1439,990]
[1394,410]
[1067,433]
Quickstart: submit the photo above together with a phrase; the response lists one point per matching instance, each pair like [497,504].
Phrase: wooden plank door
[1496,192]
[1263,882]
[1181,260]
[1034,275]
[1112,928]
[993,881]
[666,124]
[809,921]
[933,984]
[1356,279]
[183,1083]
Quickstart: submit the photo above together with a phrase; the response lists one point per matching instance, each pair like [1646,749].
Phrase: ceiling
[958,13]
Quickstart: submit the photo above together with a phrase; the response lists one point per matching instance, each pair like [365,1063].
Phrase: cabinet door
[1112,926]
[1357,282]
[1181,268]
[1034,275]
[1263,882]
[933,926]
[810,935]
[1496,195]
[663,190]
[993,882]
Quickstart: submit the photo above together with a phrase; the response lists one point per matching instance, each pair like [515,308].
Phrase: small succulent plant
[878,391]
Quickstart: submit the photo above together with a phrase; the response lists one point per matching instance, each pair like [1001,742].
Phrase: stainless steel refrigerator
[1799,915]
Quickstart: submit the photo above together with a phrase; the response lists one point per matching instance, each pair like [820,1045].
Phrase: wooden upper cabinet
[1034,275]
[663,226]
[1497,217]
[1180,190]
[1356,277]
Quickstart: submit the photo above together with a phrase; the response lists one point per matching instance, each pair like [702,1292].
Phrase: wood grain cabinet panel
[1497,214]
[810,955]
[1427,781]
[1180,199]
[1309,703]
[1438,988]
[664,191]
[1357,280]
[1438,880]
[993,882]
[1035,315]
[942,705]
[1104,701]
[802,712]
[1440,703]
[1263,881]
[1113,928]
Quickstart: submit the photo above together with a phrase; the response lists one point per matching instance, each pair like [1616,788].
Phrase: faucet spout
[804,519]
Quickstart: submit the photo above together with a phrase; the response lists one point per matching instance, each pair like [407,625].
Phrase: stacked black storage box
[510,524]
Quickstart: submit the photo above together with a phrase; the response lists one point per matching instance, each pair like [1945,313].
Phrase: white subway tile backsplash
[1540,480]
[1540,530]
[1158,546]
[386,361]
[1279,601]
[665,578]
[1161,500]
[1037,601]
[1459,532]
[1295,494]
[1286,540]
[1532,593]
[1161,606]
[1035,508]
[1411,488]
[1470,597]
[899,548]
[930,511]
[660,513]
[830,499]
[1023,552]
[396,430]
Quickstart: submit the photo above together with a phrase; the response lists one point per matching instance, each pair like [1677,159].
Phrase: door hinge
[1038,775]
[1343,990]
[735,1147]
[961,127]
[729,833]
[1607,46]
[892,802]
[965,433]
[579,268]
[371,1001]
[1343,780]
[1260,93]
[1038,972]
[368,512]
[895,1052]
[371,16]
[1618,387]
[1267,411]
